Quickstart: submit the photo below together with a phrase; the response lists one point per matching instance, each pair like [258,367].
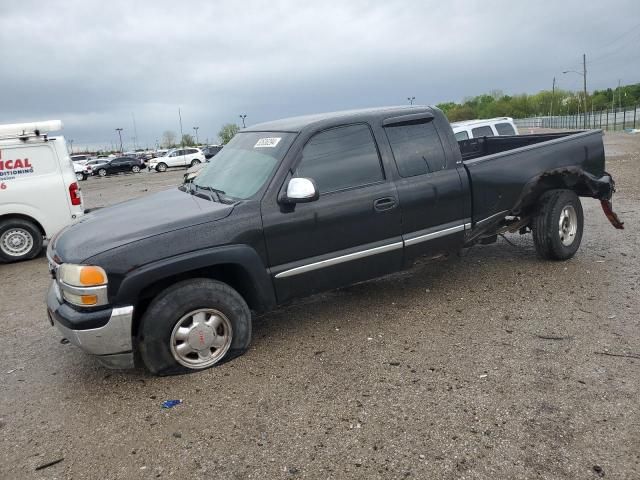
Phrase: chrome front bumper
[111,344]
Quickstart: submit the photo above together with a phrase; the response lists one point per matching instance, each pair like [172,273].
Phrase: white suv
[178,157]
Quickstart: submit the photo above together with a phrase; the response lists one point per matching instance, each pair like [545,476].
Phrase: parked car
[81,159]
[82,171]
[484,128]
[211,151]
[118,165]
[301,205]
[39,192]
[178,157]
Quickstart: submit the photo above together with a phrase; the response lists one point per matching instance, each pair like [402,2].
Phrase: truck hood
[134,220]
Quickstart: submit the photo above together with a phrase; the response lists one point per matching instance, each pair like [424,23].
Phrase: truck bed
[505,172]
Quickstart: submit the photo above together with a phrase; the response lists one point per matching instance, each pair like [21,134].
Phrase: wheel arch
[9,216]
[238,266]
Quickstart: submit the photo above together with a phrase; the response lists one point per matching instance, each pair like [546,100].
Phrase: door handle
[383,204]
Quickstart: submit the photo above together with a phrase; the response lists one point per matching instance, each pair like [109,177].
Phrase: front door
[351,233]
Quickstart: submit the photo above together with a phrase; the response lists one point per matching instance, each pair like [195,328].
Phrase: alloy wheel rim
[568,225]
[201,338]
[16,242]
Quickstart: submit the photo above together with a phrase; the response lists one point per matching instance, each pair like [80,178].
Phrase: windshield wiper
[218,192]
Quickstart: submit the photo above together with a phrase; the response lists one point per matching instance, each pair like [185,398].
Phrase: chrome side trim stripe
[434,235]
[341,259]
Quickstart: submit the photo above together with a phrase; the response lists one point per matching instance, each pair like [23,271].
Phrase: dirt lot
[489,365]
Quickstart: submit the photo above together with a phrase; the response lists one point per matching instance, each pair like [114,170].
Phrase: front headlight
[83,285]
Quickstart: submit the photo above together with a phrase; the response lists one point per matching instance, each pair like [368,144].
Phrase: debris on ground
[49,464]
[171,403]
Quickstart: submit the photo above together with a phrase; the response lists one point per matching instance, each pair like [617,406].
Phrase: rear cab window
[341,158]
[504,129]
[484,131]
[417,148]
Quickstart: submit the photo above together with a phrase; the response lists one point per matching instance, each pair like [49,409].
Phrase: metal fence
[611,119]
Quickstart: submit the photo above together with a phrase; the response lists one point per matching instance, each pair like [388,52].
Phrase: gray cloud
[93,63]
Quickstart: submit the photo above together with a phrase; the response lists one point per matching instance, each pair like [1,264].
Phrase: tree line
[543,103]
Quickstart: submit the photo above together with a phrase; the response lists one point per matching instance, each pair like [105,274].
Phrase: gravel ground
[492,364]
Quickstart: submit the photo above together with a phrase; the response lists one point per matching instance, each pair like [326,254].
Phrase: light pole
[71,145]
[411,99]
[243,116]
[584,84]
[119,130]
[196,130]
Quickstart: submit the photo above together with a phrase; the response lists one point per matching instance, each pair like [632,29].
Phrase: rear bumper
[110,343]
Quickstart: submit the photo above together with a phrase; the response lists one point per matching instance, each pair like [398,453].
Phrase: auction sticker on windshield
[267,142]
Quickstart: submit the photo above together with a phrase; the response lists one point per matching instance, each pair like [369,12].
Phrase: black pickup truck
[301,205]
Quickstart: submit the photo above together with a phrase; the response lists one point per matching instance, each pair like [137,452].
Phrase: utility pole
[553,92]
[119,130]
[619,96]
[71,145]
[196,129]
[584,79]
[181,133]
[243,116]
[135,133]
[411,99]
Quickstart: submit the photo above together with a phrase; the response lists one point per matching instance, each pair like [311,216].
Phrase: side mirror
[301,190]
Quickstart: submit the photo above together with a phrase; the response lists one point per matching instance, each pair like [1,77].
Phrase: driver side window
[341,158]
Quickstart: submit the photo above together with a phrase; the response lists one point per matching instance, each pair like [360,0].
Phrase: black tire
[550,242]
[102,172]
[161,167]
[24,230]
[194,162]
[172,304]
[135,169]
[80,176]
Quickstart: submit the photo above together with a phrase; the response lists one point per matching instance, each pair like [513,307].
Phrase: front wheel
[557,227]
[161,167]
[19,240]
[193,325]
[135,169]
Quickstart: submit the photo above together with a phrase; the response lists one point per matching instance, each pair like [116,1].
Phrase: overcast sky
[94,63]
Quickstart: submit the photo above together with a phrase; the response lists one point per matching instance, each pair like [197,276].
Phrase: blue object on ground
[171,403]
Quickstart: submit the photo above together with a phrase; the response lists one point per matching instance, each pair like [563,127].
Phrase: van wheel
[193,325]
[19,240]
[161,167]
[557,227]
[195,162]
[102,172]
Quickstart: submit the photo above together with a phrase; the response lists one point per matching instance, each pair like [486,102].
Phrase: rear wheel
[557,227]
[19,240]
[80,176]
[193,325]
[161,167]
[102,172]
[195,162]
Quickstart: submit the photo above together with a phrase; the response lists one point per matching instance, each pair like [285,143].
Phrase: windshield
[243,166]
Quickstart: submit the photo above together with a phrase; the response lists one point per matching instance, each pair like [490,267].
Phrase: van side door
[351,233]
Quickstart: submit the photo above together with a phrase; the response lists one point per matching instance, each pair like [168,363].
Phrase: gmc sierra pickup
[301,205]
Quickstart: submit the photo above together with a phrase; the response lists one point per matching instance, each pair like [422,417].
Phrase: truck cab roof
[315,121]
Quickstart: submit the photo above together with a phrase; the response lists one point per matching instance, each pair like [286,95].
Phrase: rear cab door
[431,182]
[351,233]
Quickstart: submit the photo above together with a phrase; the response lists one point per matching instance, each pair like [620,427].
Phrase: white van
[39,193]
[491,127]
